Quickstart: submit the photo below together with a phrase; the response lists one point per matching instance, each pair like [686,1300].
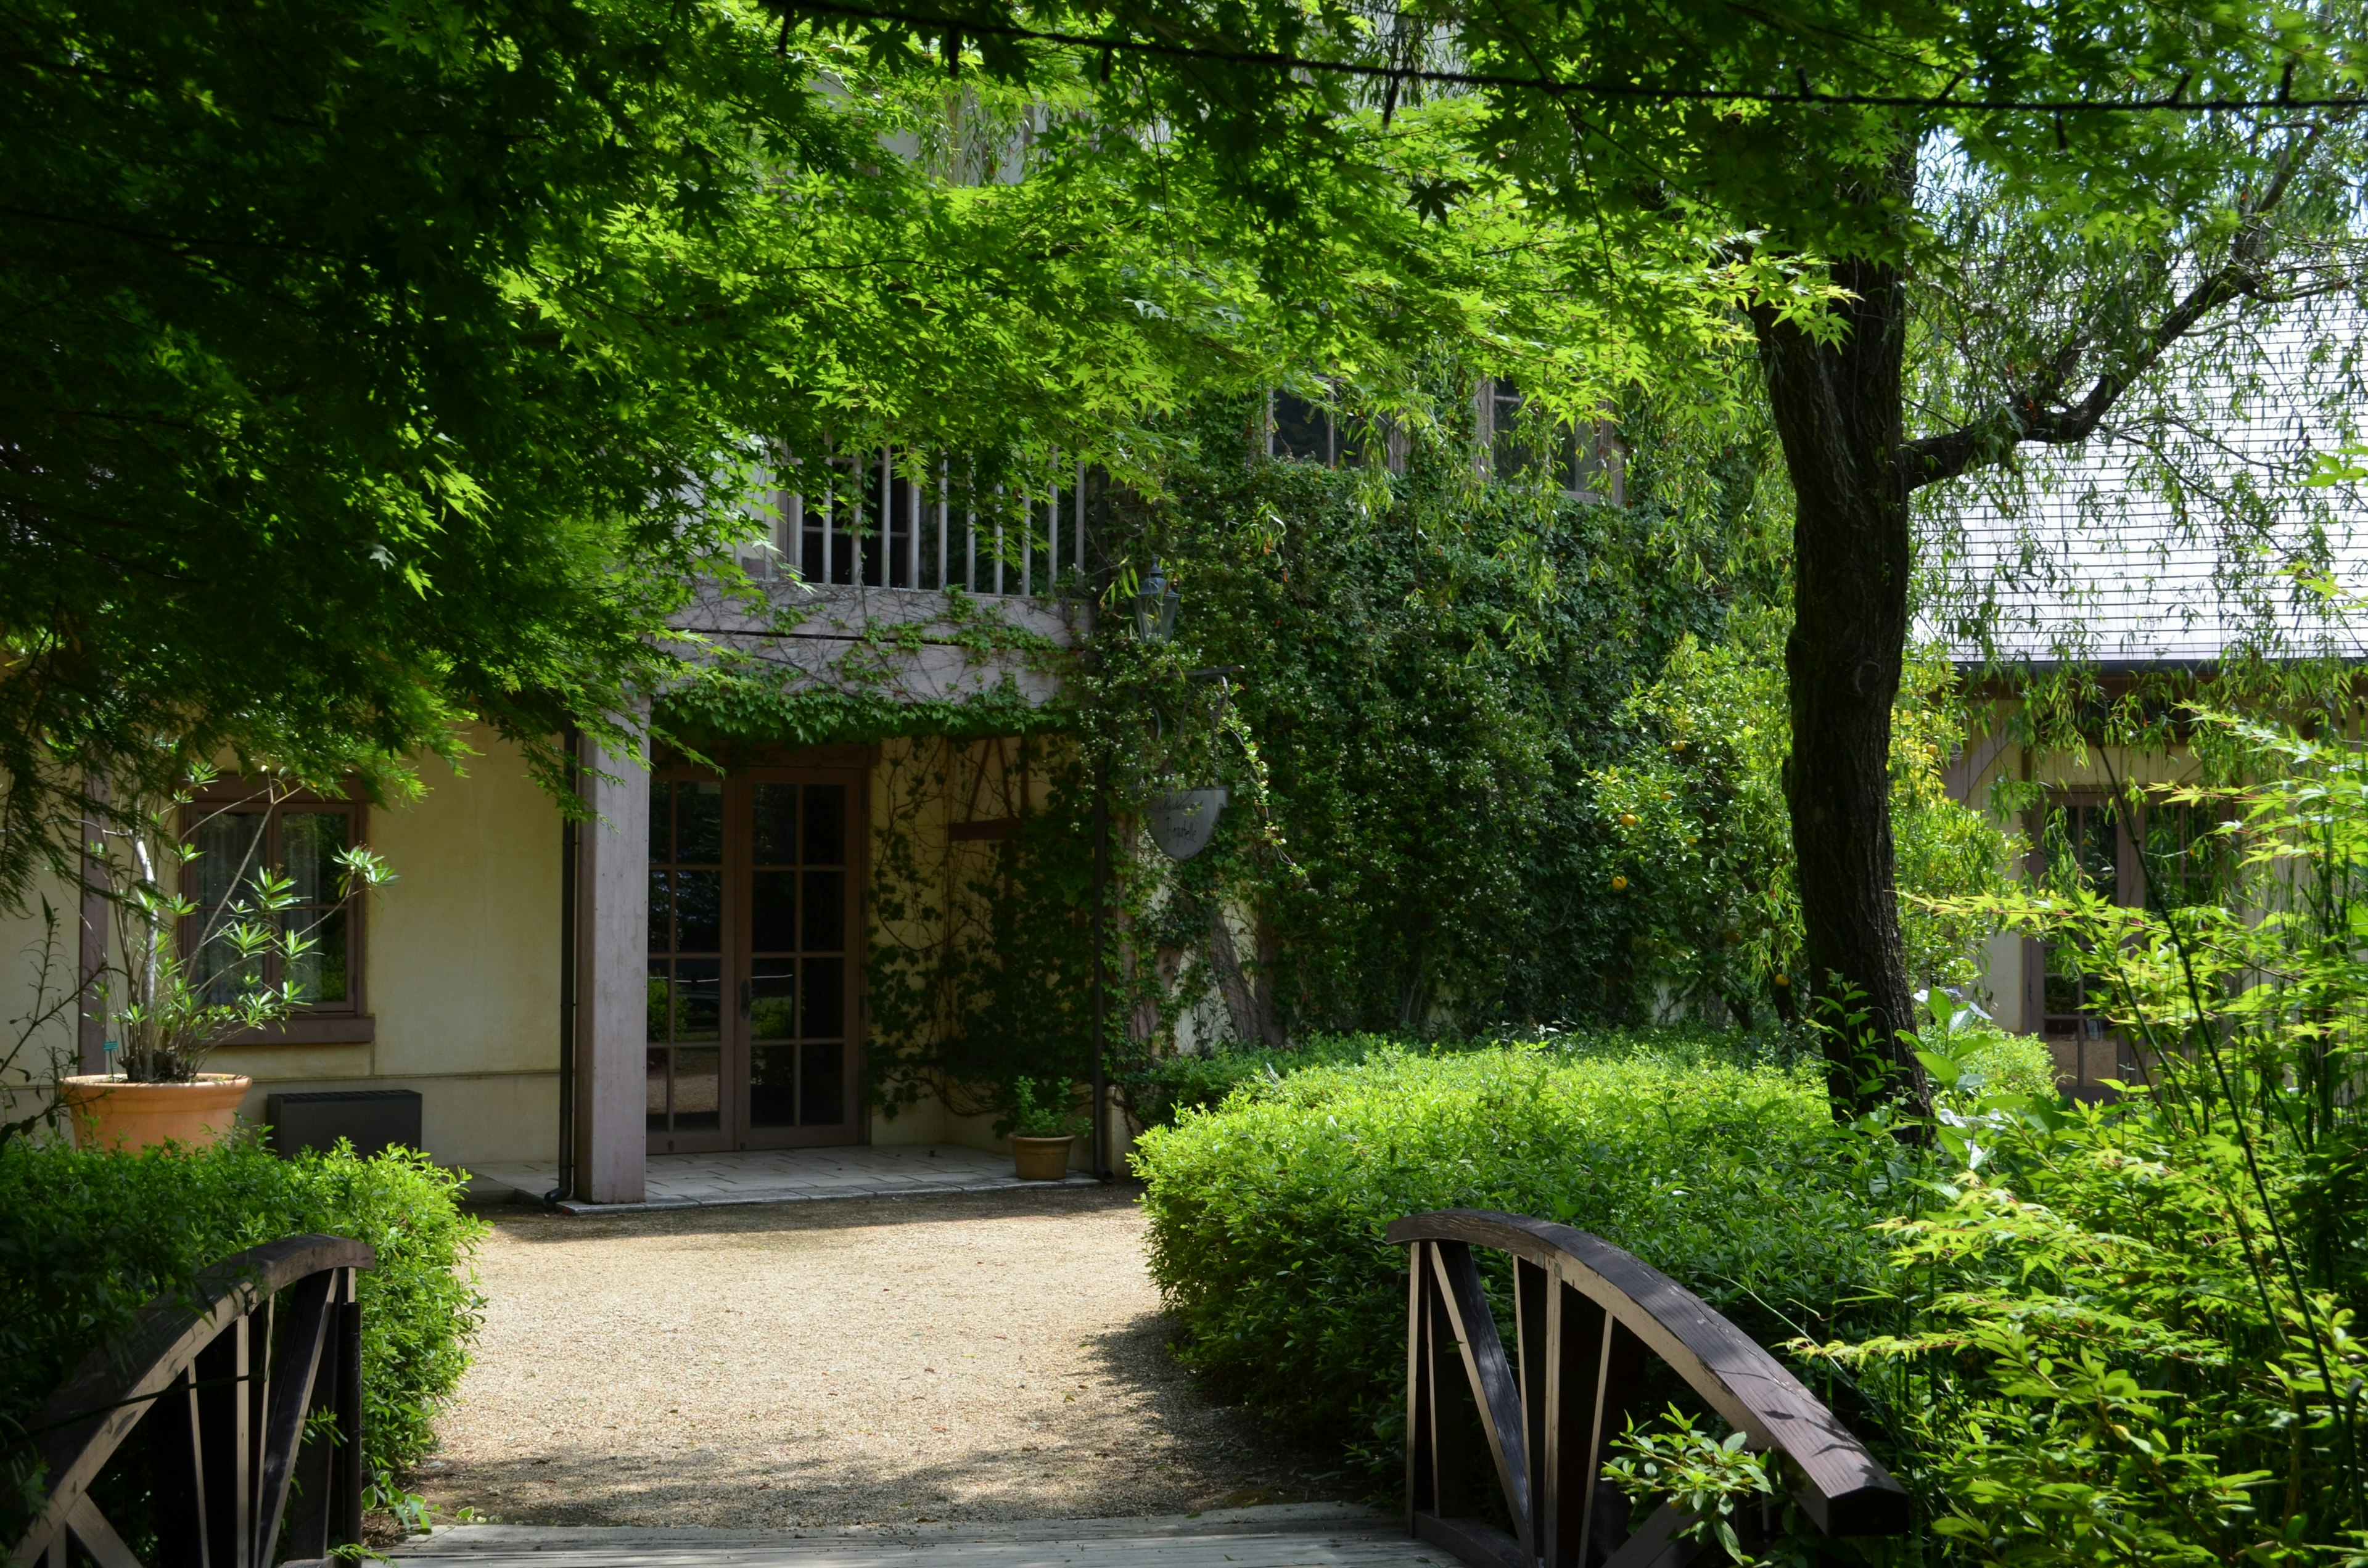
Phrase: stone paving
[789,1176]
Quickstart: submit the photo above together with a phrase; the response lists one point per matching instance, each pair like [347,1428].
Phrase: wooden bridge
[251,1389]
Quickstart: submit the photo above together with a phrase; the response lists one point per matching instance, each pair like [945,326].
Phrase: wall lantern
[1156,606]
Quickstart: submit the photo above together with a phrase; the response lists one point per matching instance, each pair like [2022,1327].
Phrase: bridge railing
[1589,1319]
[251,1386]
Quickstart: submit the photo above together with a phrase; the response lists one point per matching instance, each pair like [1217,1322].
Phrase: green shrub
[86,1239]
[1161,1089]
[2010,1064]
[1267,1214]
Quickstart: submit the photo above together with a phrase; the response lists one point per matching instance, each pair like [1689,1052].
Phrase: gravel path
[866,1361]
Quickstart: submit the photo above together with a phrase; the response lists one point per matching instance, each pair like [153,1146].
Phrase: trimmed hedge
[87,1239]
[1267,1214]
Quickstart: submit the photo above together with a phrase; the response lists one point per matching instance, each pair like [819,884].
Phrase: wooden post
[612,1137]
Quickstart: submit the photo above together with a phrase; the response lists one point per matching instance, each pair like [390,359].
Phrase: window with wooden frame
[2173,857]
[1297,428]
[238,830]
[1583,461]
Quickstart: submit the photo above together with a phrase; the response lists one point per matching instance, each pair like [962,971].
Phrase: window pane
[698,1088]
[1301,429]
[309,842]
[773,1086]
[825,911]
[222,976]
[699,823]
[320,973]
[773,912]
[660,995]
[825,1009]
[661,914]
[776,824]
[772,1000]
[825,824]
[229,854]
[654,1091]
[661,821]
[698,912]
[822,1100]
[699,999]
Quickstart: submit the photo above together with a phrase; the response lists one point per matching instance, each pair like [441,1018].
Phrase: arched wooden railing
[1588,1316]
[234,1378]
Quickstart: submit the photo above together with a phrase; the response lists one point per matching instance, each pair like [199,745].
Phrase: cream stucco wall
[461,969]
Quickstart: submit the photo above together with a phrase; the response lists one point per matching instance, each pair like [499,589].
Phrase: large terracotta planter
[1040,1159]
[113,1113]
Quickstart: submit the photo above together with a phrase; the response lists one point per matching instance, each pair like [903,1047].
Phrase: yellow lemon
[1627,819]
[1619,884]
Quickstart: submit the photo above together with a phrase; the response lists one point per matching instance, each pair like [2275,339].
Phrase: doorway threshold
[789,1176]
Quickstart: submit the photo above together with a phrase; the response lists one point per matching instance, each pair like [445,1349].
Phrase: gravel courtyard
[992,1355]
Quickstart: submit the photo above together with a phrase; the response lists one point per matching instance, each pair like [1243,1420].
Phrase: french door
[756,942]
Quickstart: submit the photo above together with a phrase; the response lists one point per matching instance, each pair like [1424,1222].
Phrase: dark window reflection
[825,1009]
[773,912]
[773,1086]
[776,824]
[698,912]
[825,824]
[822,1099]
[1302,429]
[699,999]
[825,912]
[699,823]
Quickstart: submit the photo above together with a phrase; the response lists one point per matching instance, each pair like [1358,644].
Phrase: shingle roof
[2182,542]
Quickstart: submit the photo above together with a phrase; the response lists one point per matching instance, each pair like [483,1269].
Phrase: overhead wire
[2175,102]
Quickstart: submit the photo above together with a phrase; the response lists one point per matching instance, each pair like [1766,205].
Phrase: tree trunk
[1838,413]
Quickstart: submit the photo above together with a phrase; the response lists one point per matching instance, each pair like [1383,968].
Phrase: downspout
[568,845]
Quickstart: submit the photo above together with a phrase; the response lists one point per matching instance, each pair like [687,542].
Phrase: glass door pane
[685,1054]
[795,996]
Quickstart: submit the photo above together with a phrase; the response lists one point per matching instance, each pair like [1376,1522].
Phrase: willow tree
[2138,171]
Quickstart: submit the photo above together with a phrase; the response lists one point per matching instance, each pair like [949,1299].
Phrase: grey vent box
[376,1120]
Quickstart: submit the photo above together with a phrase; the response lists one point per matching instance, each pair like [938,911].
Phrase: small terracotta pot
[114,1113]
[1040,1159]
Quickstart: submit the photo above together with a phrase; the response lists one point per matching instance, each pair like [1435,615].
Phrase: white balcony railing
[875,525]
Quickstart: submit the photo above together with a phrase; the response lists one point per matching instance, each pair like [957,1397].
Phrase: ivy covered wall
[1498,756]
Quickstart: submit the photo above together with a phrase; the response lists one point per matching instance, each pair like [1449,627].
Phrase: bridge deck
[1288,1536]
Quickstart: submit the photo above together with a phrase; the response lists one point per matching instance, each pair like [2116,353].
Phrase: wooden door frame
[721,1140]
[739,870]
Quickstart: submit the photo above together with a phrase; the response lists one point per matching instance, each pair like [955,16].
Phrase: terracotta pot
[114,1113]
[1040,1159]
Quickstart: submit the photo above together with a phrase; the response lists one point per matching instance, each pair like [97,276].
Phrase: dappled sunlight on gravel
[982,1357]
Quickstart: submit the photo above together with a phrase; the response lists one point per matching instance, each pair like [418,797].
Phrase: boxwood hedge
[86,1239]
[1266,1213]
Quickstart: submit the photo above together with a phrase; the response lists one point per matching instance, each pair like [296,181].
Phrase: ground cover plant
[1266,1213]
[88,1238]
[2126,1333]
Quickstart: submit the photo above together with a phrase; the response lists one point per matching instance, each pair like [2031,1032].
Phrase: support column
[612,931]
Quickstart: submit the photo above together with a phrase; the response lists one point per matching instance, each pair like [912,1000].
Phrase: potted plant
[188,977]
[1041,1127]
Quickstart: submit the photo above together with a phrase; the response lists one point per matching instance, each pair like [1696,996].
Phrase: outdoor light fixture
[1155,606]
